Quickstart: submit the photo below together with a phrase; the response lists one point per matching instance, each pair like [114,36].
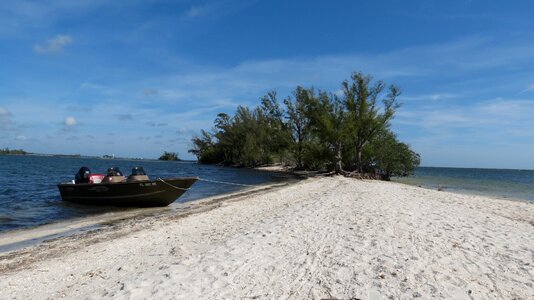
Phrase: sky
[136,78]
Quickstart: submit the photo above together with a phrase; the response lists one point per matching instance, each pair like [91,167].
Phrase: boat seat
[108,179]
[133,178]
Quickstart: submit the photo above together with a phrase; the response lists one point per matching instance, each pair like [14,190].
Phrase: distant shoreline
[94,157]
[274,167]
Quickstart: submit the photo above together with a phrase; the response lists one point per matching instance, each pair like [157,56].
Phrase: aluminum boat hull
[147,193]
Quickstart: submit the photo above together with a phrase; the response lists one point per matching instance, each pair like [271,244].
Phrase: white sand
[320,238]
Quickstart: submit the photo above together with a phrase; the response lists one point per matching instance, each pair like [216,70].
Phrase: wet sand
[319,238]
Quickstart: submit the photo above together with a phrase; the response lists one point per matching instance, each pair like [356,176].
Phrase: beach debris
[97,273]
[340,299]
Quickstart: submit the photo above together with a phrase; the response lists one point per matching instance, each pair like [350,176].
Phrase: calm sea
[29,195]
[503,183]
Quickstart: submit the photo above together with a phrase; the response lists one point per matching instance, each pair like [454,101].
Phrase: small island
[172,156]
[7,151]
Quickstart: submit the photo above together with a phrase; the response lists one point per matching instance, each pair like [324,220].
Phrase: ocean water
[502,183]
[29,195]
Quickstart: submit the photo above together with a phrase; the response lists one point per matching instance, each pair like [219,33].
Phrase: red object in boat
[96,178]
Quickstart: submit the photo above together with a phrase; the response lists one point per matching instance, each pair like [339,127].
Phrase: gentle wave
[29,194]
[502,183]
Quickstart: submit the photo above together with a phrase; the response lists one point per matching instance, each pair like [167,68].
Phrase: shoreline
[30,237]
[330,237]
[466,192]
[34,235]
[277,168]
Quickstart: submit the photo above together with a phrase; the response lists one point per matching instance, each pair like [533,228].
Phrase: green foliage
[278,134]
[298,124]
[250,138]
[205,149]
[314,130]
[391,157]
[366,117]
[317,156]
[169,156]
[329,124]
[13,151]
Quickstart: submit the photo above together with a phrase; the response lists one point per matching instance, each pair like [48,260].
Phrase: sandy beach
[320,238]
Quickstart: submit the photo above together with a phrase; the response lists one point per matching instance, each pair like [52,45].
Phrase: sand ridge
[328,237]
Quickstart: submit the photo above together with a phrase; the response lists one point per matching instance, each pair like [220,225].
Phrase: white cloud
[70,121]
[5,119]
[21,138]
[467,135]
[4,112]
[256,77]
[150,92]
[510,109]
[53,45]
[126,117]
[214,9]
[183,130]
[430,97]
[529,88]
[90,85]
[198,11]
[503,115]
[19,15]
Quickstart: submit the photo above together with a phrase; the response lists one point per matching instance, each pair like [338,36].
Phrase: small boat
[114,189]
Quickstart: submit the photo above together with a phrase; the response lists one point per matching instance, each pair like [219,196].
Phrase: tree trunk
[359,151]
[359,163]
[299,156]
[338,166]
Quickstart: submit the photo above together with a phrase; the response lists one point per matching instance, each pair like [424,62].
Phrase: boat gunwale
[115,197]
[126,182]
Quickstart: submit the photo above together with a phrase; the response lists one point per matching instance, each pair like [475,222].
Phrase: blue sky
[135,78]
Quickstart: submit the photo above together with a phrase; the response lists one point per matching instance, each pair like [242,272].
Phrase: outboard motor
[114,171]
[83,175]
[138,171]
